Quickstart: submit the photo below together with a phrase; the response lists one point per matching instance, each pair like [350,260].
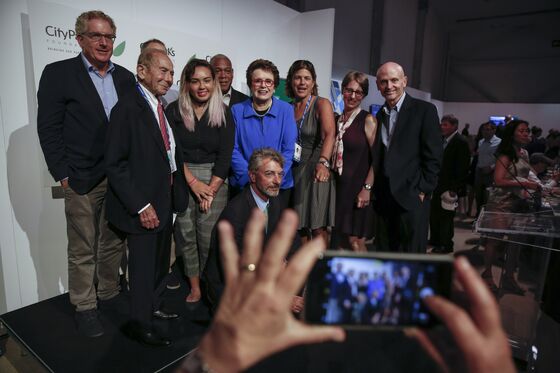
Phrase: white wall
[33,230]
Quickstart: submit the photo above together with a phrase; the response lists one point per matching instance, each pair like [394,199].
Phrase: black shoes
[165,315]
[88,323]
[137,332]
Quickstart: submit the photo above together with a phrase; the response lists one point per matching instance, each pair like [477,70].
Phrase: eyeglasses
[349,92]
[96,36]
[259,82]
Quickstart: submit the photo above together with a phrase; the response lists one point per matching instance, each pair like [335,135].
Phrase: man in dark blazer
[75,99]
[224,71]
[146,185]
[265,176]
[451,185]
[407,156]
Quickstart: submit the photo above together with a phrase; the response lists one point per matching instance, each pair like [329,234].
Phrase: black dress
[357,160]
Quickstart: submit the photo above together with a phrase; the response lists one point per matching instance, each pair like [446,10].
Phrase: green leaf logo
[119,49]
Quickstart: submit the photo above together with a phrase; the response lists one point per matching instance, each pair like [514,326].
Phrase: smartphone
[375,289]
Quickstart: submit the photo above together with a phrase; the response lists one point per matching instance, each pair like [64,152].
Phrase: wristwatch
[325,163]
[368,186]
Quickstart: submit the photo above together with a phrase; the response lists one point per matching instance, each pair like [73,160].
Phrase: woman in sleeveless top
[512,181]
[353,165]
[313,196]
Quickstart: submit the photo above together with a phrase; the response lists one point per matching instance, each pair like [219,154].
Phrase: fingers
[230,256]
[278,246]
[464,331]
[483,306]
[149,218]
[295,274]
[422,338]
[253,239]
[306,334]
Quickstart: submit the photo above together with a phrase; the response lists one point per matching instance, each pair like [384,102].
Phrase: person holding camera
[254,319]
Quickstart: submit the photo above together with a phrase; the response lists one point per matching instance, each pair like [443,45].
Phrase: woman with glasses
[313,195]
[352,164]
[263,121]
[205,128]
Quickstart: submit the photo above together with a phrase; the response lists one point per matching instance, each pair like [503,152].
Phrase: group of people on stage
[389,295]
[148,166]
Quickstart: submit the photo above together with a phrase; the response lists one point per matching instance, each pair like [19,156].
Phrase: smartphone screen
[375,289]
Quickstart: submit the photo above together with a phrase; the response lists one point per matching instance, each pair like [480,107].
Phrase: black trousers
[397,229]
[441,225]
[148,264]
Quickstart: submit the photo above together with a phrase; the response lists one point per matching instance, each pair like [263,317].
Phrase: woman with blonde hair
[205,130]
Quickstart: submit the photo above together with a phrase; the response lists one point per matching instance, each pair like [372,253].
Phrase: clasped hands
[204,194]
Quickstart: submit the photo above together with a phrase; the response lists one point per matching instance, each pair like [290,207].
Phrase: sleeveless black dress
[357,160]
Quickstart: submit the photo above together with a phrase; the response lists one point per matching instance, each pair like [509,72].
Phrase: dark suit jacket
[72,123]
[413,160]
[237,213]
[455,166]
[237,97]
[138,169]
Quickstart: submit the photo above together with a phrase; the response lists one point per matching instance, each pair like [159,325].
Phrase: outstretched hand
[254,319]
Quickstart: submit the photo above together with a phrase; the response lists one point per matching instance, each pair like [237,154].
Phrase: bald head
[391,82]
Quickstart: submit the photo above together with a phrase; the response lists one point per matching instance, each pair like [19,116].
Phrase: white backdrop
[33,231]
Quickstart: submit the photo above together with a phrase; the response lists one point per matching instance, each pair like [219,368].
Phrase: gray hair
[260,155]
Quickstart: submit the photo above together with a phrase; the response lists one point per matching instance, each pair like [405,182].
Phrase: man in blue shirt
[75,99]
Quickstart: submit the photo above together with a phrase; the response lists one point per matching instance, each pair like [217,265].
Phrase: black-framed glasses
[259,82]
[96,36]
[349,92]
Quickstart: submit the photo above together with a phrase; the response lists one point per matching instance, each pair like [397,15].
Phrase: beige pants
[94,249]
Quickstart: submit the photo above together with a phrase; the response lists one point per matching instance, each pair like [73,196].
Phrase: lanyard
[302,119]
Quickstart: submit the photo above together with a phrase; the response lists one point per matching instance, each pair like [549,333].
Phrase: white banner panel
[53,39]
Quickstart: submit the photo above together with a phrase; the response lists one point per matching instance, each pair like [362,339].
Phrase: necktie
[163,126]
[164,134]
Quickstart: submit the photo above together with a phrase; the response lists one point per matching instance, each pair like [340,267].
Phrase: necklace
[267,109]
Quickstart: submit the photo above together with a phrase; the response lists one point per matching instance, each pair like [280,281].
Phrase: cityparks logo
[119,49]
[61,40]
[57,32]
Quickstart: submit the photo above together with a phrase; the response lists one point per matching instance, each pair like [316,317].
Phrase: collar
[399,103]
[448,138]
[261,203]
[228,93]
[149,95]
[90,67]
[248,110]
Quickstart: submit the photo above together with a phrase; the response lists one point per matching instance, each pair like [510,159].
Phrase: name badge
[297,152]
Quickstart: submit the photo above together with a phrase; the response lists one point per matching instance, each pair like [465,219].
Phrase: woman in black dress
[352,164]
